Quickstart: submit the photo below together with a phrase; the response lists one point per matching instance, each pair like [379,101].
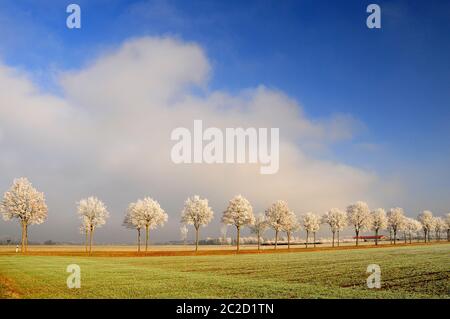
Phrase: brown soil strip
[218,252]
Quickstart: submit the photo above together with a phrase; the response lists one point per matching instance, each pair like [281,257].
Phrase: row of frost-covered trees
[25,204]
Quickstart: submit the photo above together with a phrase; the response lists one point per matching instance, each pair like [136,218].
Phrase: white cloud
[109,134]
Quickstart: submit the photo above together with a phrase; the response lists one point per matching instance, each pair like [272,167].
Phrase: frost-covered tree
[341,223]
[412,226]
[396,219]
[151,215]
[417,228]
[239,213]
[358,215]
[24,203]
[290,225]
[447,225]
[378,221]
[259,227]
[334,218]
[184,232]
[196,212]
[426,219]
[134,220]
[404,227]
[438,226]
[277,216]
[311,224]
[93,215]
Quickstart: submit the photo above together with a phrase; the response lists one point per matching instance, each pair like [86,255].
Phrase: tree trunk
[139,239]
[307,236]
[276,238]
[357,237]
[86,240]
[338,240]
[91,235]
[259,240]
[410,237]
[314,234]
[196,238]
[146,237]
[448,234]
[22,247]
[332,245]
[289,239]
[425,235]
[390,236]
[26,237]
[395,236]
[376,237]
[238,229]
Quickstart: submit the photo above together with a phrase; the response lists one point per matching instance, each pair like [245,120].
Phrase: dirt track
[158,253]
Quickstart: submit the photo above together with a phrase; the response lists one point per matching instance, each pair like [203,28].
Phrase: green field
[407,272]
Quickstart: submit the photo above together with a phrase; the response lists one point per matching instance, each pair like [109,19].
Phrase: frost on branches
[396,219]
[26,204]
[412,227]
[439,226]
[93,215]
[311,223]
[196,212]
[359,217]
[291,225]
[277,216]
[378,221]
[426,219]
[239,213]
[337,220]
[151,215]
[134,220]
[259,227]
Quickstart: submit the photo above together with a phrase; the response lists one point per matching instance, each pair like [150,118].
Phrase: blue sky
[395,80]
